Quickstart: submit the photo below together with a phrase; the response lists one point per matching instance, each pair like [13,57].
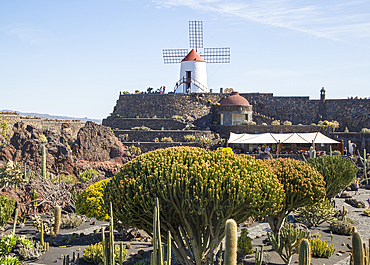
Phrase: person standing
[357,186]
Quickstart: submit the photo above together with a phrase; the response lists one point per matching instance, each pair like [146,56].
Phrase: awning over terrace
[275,138]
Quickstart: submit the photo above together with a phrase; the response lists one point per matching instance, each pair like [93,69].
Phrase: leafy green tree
[303,186]
[337,171]
[198,192]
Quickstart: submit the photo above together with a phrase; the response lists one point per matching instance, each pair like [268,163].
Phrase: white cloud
[31,36]
[339,20]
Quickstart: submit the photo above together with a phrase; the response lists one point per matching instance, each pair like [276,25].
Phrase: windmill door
[188,81]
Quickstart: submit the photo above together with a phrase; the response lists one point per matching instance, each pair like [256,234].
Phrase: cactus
[43,162]
[75,259]
[194,187]
[157,257]
[259,256]
[331,151]
[56,226]
[357,250]
[286,243]
[230,242]
[15,221]
[303,186]
[337,171]
[364,164]
[312,151]
[42,235]
[304,253]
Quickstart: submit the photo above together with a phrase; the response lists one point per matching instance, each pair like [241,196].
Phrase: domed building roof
[234,99]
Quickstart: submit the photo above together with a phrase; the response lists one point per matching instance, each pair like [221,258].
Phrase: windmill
[193,73]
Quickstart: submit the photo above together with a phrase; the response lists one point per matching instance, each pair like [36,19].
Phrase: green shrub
[204,142]
[88,175]
[341,227]
[336,153]
[177,117]
[314,215]
[189,138]
[94,253]
[245,122]
[337,171]
[134,150]
[245,243]
[89,202]
[303,186]
[9,260]
[198,191]
[8,242]
[365,130]
[366,212]
[287,123]
[12,174]
[68,179]
[275,123]
[167,140]
[125,92]
[142,128]
[7,206]
[43,138]
[321,249]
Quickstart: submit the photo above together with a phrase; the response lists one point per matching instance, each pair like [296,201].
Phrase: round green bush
[337,171]
[303,186]
[89,202]
[7,206]
[94,253]
[198,191]
[88,174]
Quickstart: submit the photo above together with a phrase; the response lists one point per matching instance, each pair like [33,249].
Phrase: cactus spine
[230,242]
[15,220]
[259,256]
[55,231]
[357,250]
[157,257]
[304,253]
[43,161]
[364,164]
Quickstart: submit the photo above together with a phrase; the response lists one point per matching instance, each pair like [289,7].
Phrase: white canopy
[274,138]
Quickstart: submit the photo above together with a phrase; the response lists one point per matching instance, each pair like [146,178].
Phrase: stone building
[234,110]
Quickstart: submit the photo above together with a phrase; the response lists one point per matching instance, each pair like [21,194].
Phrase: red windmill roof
[193,56]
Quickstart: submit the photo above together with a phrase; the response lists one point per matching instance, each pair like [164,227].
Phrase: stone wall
[154,124]
[43,124]
[149,136]
[351,113]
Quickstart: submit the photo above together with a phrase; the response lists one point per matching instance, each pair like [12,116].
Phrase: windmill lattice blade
[174,55]
[196,34]
[216,55]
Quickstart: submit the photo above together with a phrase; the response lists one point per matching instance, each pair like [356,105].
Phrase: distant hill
[47,116]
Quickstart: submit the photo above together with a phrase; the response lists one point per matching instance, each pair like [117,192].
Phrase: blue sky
[73,57]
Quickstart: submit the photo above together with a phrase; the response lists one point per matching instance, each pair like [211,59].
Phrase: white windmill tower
[193,72]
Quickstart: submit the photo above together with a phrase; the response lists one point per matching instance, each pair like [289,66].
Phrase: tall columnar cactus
[304,253]
[312,151]
[357,250]
[43,161]
[15,220]
[158,257]
[231,240]
[56,226]
[42,235]
[259,256]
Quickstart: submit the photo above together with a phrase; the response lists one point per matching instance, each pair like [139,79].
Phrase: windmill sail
[196,34]
[216,55]
[174,55]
